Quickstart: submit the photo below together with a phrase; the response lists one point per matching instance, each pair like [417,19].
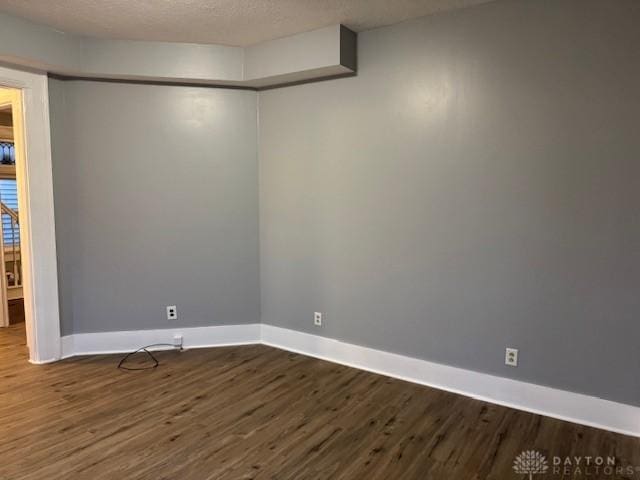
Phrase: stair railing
[15,245]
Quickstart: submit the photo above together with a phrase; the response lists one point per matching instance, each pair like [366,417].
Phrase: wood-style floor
[255,412]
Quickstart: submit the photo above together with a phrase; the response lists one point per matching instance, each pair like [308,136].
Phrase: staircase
[11,251]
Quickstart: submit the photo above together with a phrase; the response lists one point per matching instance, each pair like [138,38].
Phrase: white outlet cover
[511,357]
[172,312]
[317,318]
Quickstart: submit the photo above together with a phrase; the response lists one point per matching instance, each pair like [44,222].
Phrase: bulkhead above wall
[319,54]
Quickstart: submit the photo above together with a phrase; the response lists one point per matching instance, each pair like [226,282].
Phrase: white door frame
[37,226]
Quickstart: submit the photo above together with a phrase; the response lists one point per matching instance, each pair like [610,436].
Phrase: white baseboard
[127,341]
[551,402]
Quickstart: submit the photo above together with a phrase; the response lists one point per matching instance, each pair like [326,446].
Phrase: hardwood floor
[255,412]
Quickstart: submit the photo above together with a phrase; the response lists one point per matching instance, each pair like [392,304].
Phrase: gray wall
[156,204]
[476,186]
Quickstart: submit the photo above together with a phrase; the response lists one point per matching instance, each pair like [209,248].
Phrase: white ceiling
[226,22]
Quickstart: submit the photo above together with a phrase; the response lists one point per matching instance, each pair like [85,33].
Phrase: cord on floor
[141,349]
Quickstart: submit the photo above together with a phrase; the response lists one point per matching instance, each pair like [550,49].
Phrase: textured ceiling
[226,22]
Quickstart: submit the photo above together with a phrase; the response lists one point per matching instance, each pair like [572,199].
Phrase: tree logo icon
[530,463]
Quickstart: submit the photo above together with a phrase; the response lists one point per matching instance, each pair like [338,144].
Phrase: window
[9,196]
[7,153]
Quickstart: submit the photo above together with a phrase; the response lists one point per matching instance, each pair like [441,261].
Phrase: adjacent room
[12,317]
[361,239]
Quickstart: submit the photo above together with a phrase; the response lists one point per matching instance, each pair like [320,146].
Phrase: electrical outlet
[317,319]
[511,357]
[172,312]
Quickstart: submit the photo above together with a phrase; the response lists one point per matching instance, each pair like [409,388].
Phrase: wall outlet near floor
[317,319]
[511,357]
[172,312]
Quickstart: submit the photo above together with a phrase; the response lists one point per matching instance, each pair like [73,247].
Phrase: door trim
[37,225]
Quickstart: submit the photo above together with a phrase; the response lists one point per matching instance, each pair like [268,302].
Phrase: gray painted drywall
[156,204]
[476,186]
[27,43]
[307,51]
[161,61]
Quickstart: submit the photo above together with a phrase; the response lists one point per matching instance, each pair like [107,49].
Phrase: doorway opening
[37,275]
[12,311]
